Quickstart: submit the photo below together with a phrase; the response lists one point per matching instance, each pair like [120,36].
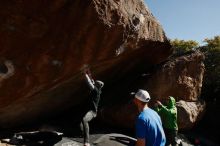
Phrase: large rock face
[45,44]
[180,77]
[189,113]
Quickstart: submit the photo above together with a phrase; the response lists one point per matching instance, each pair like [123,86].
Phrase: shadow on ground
[35,138]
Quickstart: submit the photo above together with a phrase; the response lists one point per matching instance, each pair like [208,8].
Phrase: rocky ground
[101,136]
[65,132]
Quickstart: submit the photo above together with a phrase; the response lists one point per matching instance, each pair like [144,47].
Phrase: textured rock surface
[189,113]
[180,77]
[44,45]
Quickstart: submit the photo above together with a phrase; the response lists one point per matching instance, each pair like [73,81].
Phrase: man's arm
[140,132]
[163,108]
[140,142]
[89,82]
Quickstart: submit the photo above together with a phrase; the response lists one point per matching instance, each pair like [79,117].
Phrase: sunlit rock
[44,46]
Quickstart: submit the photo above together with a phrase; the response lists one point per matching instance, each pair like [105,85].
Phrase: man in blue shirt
[149,130]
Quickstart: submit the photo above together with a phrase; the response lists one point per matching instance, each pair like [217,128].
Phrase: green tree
[181,46]
[212,45]
[211,84]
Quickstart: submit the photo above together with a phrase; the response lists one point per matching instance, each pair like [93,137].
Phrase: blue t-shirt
[149,127]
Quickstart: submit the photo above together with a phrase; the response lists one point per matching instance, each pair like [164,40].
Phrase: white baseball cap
[142,95]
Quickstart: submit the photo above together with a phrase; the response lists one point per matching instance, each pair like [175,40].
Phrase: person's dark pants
[171,137]
[84,125]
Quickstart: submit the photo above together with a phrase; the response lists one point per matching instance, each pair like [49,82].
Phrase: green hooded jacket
[168,114]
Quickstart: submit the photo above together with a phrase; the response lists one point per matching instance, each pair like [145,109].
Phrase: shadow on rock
[115,139]
[123,140]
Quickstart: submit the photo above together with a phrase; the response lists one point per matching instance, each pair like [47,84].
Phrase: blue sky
[187,19]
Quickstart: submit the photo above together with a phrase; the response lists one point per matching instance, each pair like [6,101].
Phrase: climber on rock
[93,102]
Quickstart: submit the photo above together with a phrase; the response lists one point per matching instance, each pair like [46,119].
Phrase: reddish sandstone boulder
[45,44]
[189,113]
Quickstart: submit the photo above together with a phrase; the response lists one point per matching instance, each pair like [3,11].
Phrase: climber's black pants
[84,125]
[171,136]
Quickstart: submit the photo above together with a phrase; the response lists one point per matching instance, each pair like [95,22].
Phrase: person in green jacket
[169,119]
